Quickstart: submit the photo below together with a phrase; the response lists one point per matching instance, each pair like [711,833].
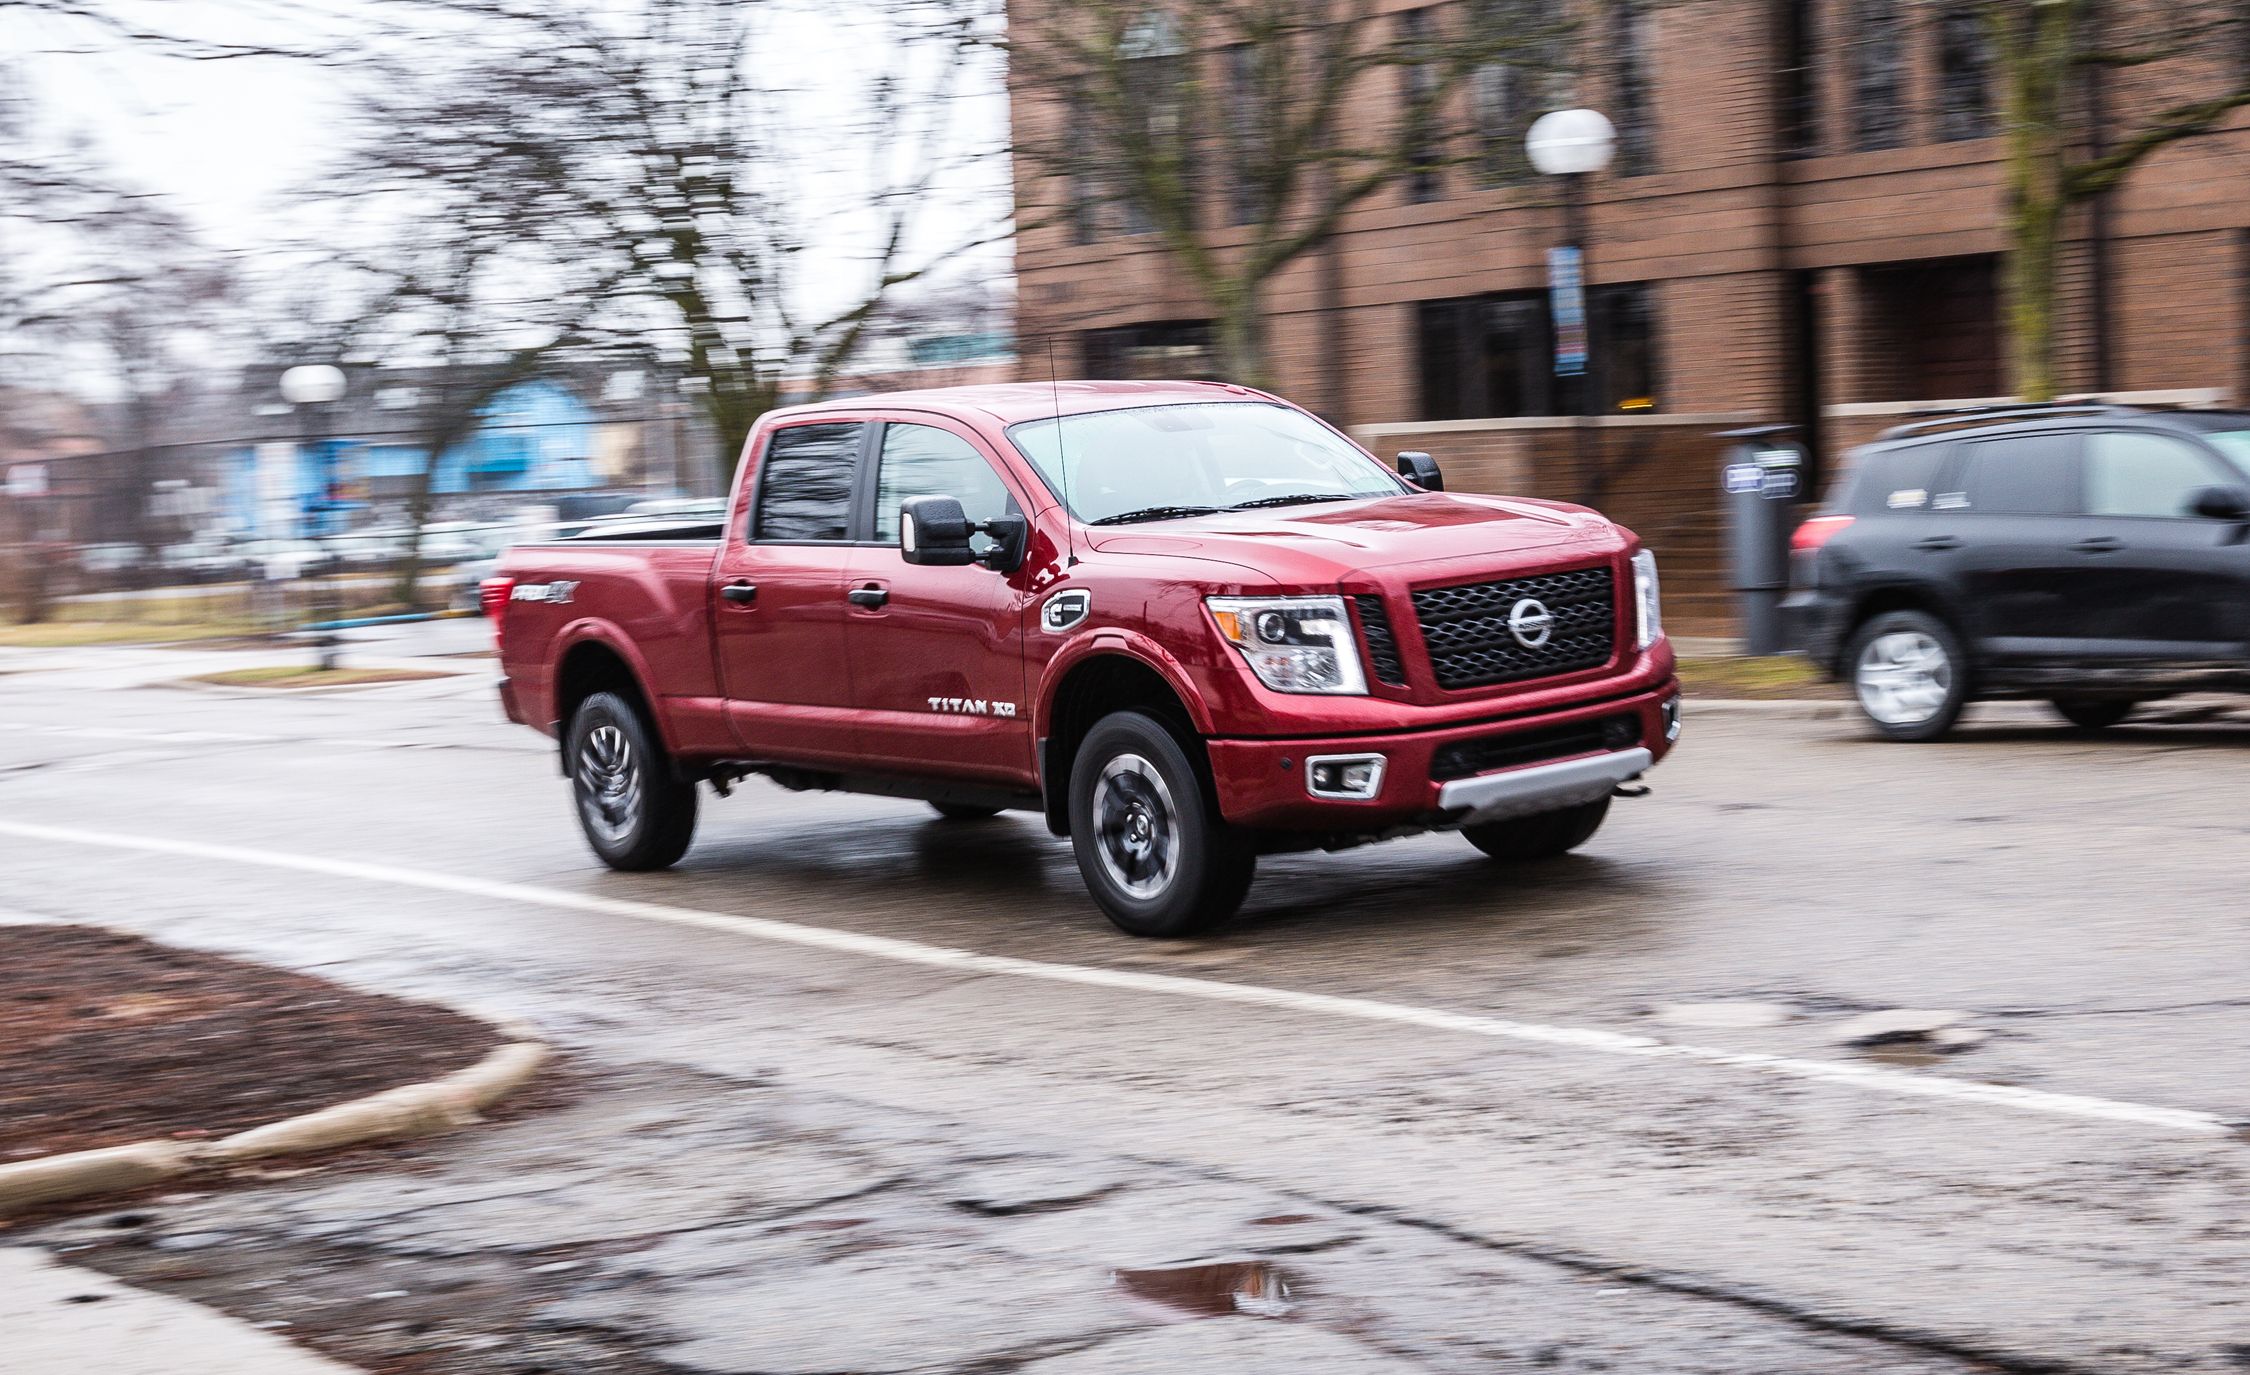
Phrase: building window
[1156,78]
[1246,134]
[1492,357]
[1630,21]
[1935,324]
[1964,74]
[1505,96]
[1798,97]
[1878,67]
[1083,186]
[1418,107]
[1165,349]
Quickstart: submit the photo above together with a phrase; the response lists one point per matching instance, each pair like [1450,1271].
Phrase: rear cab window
[805,483]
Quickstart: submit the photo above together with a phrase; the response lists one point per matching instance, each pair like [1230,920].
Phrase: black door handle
[1938,544]
[869,597]
[2099,544]
[740,593]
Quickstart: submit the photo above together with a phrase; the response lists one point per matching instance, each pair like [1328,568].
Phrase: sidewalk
[61,1320]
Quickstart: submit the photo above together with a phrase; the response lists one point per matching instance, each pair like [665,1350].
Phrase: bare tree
[645,159]
[2054,60]
[1238,133]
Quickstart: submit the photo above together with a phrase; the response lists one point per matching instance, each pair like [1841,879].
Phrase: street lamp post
[1572,145]
[312,388]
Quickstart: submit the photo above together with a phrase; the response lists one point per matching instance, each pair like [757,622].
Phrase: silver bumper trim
[1541,788]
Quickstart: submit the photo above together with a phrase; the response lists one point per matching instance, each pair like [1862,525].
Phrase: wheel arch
[597,663]
[1095,683]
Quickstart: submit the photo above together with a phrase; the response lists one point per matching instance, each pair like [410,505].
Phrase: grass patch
[1780,677]
[291,676]
[75,634]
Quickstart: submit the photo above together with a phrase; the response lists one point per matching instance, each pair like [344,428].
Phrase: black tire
[1156,856]
[636,813]
[2094,713]
[961,811]
[1909,675]
[1546,835]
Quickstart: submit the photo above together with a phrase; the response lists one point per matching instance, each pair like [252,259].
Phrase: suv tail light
[493,594]
[1817,532]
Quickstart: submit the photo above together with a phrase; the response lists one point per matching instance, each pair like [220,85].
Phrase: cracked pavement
[770,1157]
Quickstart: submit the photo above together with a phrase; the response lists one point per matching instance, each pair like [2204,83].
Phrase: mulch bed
[106,1038]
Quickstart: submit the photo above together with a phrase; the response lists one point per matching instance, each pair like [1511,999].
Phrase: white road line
[1872,1078]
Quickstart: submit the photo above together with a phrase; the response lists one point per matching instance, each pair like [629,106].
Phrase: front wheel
[1155,854]
[1526,839]
[2094,713]
[1909,675]
[635,813]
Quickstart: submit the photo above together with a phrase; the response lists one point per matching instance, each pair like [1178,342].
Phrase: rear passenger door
[2009,518]
[2162,583]
[778,611]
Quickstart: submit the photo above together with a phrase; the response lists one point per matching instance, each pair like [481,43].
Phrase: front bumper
[1261,783]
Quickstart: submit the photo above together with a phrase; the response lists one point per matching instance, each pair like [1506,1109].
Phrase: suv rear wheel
[1155,854]
[2095,713]
[1524,839]
[635,813]
[1909,674]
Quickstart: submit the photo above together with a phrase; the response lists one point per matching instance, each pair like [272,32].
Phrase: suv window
[805,483]
[1896,479]
[923,461]
[2134,473]
[2019,475]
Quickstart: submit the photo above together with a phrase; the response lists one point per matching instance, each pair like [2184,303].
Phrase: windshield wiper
[1298,499]
[1155,513]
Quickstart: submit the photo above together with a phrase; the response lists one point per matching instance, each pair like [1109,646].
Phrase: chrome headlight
[1647,603]
[1293,644]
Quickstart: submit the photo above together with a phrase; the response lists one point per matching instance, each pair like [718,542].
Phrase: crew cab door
[937,653]
[2163,585]
[778,605]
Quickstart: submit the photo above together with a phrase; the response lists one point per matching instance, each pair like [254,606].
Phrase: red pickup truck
[1188,623]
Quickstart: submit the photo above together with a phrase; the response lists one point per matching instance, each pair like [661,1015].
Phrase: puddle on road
[1213,1289]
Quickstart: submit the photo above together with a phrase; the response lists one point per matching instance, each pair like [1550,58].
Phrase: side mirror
[1421,470]
[2222,503]
[932,531]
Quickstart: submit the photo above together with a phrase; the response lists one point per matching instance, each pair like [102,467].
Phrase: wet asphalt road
[1478,1203]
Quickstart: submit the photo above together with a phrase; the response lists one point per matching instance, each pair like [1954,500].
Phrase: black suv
[2094,556]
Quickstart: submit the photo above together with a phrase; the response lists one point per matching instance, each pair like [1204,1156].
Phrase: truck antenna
[1062,463]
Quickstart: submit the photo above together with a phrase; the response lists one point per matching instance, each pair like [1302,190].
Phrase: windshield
[1161,462]
[2235,444]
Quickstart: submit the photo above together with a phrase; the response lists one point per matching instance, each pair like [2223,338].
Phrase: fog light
[1350,777]
[1672,718]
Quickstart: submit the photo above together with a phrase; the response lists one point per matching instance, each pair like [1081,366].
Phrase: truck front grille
[1471,645]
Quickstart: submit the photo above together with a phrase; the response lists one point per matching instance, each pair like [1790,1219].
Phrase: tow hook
[1630,790]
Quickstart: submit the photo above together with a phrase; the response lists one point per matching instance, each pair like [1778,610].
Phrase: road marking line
[1875,1078]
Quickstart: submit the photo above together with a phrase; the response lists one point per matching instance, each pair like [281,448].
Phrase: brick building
[1803,225]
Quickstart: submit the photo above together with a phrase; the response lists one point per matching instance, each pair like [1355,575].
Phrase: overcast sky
[228,142]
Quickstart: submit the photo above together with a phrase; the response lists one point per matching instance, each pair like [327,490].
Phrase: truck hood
[1334,538]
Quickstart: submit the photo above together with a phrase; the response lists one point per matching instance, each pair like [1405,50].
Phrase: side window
[922,461]
[2138,474]
[805,483]
[1897,479]
[2023,475]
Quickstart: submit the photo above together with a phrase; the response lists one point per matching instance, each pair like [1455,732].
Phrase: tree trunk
[1240,338]
[2036,49]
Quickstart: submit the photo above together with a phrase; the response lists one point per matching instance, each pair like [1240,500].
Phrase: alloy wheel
[1136,826]
[1903,678]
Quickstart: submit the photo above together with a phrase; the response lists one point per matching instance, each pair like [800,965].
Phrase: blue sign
[1744,477]
[1566,292]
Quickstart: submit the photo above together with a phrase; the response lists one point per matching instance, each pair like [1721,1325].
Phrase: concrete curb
[434,1105]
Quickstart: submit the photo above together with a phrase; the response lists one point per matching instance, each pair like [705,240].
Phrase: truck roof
[1010,402]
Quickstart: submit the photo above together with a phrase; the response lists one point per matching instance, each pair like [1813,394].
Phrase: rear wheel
[2095,713]
[960,811]
[1155,854]
[1524,839]
[635,813]
[1909,674]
